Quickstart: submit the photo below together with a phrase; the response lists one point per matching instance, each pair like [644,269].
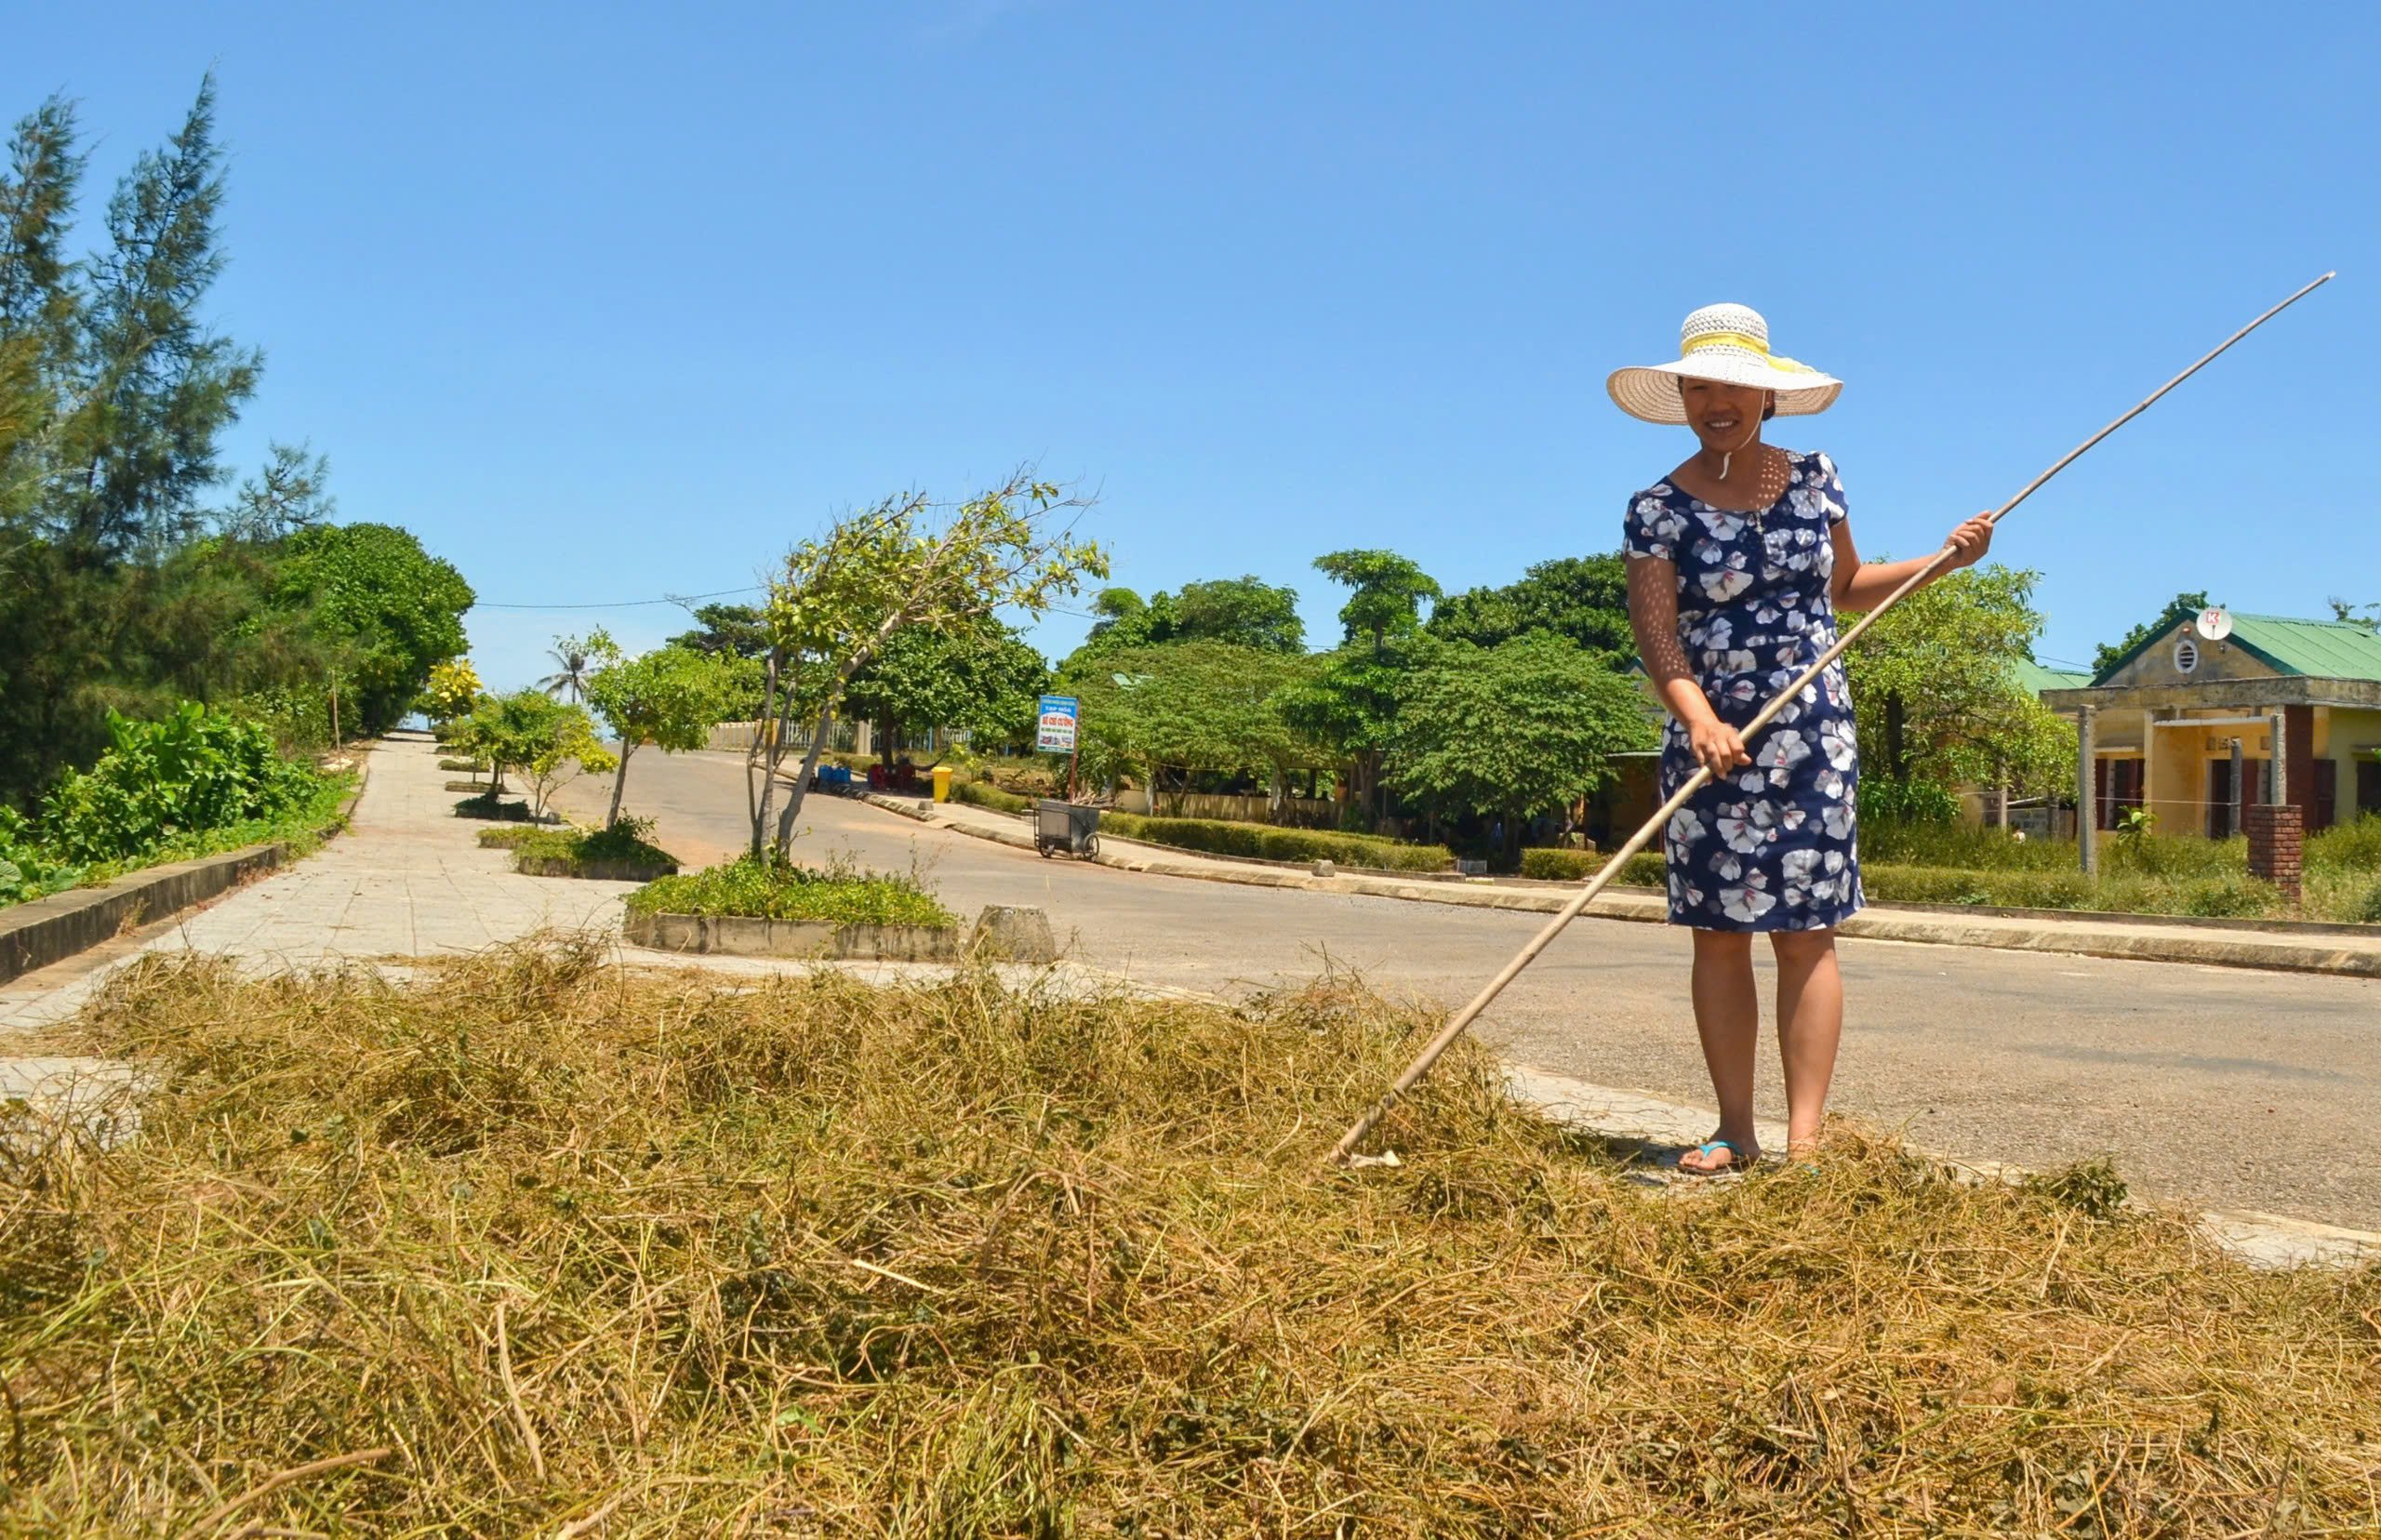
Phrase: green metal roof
[2034,679]
[2318,649]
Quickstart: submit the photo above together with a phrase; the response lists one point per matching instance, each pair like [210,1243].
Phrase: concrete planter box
[740,936]
[602,871]
[1018,934]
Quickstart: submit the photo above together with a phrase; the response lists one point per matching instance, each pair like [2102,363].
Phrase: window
[2186,655]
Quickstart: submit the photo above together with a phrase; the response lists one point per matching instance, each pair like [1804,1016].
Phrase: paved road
[2221,1087]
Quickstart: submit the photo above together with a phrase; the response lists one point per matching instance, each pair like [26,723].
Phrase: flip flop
[1739,1162]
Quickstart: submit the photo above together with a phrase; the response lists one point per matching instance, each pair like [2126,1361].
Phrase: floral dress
[1772,845]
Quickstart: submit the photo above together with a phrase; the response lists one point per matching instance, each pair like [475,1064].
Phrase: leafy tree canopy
[983,681]
[1199,704]
[1388,594]
[1933,689]
[1244,612]
[1584,598]
[1515,729]
[670,697]
[735,629]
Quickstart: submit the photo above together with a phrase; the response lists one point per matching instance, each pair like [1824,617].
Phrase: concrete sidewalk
[2314,949]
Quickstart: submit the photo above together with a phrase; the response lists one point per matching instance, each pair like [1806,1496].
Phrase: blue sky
[609,303]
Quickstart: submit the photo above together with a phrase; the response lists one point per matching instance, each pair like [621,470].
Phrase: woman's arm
[1860,588]
[1653,616]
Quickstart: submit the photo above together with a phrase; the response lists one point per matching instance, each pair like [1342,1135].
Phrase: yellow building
[2163,719]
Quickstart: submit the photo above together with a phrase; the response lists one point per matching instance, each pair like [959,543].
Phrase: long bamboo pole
[1455,1026]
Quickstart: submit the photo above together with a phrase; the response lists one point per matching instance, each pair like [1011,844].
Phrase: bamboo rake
[1343,1154]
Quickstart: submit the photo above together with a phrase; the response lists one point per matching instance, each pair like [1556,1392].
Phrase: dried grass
[580,1251]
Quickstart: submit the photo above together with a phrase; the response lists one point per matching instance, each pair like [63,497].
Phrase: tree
[574,659]
[453,689]
[391,610]
[530,731]
[725,630]
[2368,616]
[41,307]
[156,385]
[1389,592]
[289,493]
[1582,598]
[1245,611]
[1200,705]
[670,697]
[838,598]
[1933,683]
[982,681]
[1512,730]
[2106,656]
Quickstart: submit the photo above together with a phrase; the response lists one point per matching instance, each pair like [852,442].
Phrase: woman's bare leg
[1810,1025]
[1727,1017]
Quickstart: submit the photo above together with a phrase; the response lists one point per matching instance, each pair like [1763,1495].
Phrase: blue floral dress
[1773,845]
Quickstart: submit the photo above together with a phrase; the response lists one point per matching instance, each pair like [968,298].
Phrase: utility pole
[2087,809]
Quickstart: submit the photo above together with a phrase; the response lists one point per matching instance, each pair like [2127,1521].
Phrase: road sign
[1055,733]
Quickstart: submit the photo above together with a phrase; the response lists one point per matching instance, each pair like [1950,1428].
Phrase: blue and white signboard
[1057,733]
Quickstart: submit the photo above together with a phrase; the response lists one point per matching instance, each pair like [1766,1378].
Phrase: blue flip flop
[1739,1161]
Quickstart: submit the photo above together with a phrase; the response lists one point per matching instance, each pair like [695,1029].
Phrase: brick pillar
[2298,727]
[2276,836]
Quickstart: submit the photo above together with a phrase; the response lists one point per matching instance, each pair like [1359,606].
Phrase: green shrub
[2239,898]
[26,870]
[1555,865]
[2347,847]
[627,841]
[840,895]
[162,782]
[2178,856]
[476,766]
[508,839]
[1885,801]
[1268,841]
[985,794]
[1899,841]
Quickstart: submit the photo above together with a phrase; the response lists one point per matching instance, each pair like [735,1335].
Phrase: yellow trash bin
[942,783]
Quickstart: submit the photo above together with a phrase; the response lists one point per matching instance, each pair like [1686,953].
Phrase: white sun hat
[1729,343]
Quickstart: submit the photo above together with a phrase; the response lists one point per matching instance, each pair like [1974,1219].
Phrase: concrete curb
[2141,941]
[51,930]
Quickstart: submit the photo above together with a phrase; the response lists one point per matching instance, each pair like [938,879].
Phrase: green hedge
[985,794]
[2232,895]
[1267,841]
[1556,865]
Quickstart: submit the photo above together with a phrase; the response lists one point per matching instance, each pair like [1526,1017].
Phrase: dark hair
[1769,409]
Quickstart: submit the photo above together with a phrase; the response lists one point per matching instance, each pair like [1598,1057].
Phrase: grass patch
[477,767]
[1272,842]
[840,895]
[510,838]
[804,1257]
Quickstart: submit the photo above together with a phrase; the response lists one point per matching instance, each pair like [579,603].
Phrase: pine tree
[40,306]
[159,384]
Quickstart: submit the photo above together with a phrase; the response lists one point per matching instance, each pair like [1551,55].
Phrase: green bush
[2347,847]
[476,766]
[627,841]
[1267,841]
[1885,801]
[1555,865]
[985,794]
[26,870]
[509,839]
[1899,841]
[840,895]
[162,782]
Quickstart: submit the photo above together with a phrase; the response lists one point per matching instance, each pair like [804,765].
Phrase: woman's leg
[1727,1016]
[1810,1024]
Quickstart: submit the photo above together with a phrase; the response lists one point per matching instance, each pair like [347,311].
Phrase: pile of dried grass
[574,1249]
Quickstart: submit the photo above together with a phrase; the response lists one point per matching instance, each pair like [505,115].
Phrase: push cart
[1061,825]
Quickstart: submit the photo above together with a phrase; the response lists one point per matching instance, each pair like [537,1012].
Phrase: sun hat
[1729,343]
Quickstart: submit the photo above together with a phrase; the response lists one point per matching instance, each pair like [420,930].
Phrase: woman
[1738,562]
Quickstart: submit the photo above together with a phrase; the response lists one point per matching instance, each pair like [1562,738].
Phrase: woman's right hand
[1717,746]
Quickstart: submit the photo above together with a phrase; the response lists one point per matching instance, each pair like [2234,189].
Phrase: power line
[628,603]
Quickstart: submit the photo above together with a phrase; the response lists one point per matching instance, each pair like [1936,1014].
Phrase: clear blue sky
[605,305]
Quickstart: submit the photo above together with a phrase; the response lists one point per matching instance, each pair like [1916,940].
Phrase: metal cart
[1061,825]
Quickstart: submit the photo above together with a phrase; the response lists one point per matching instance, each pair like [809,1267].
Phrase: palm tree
[572,676]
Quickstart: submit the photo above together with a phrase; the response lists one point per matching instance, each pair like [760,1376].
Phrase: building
[2164,715]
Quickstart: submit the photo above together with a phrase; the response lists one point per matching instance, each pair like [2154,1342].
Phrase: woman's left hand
[1972,539]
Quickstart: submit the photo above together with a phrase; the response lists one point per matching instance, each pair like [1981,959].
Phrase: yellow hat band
[1746,341]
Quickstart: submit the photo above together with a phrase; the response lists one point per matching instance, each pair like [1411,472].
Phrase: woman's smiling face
[1725,417]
